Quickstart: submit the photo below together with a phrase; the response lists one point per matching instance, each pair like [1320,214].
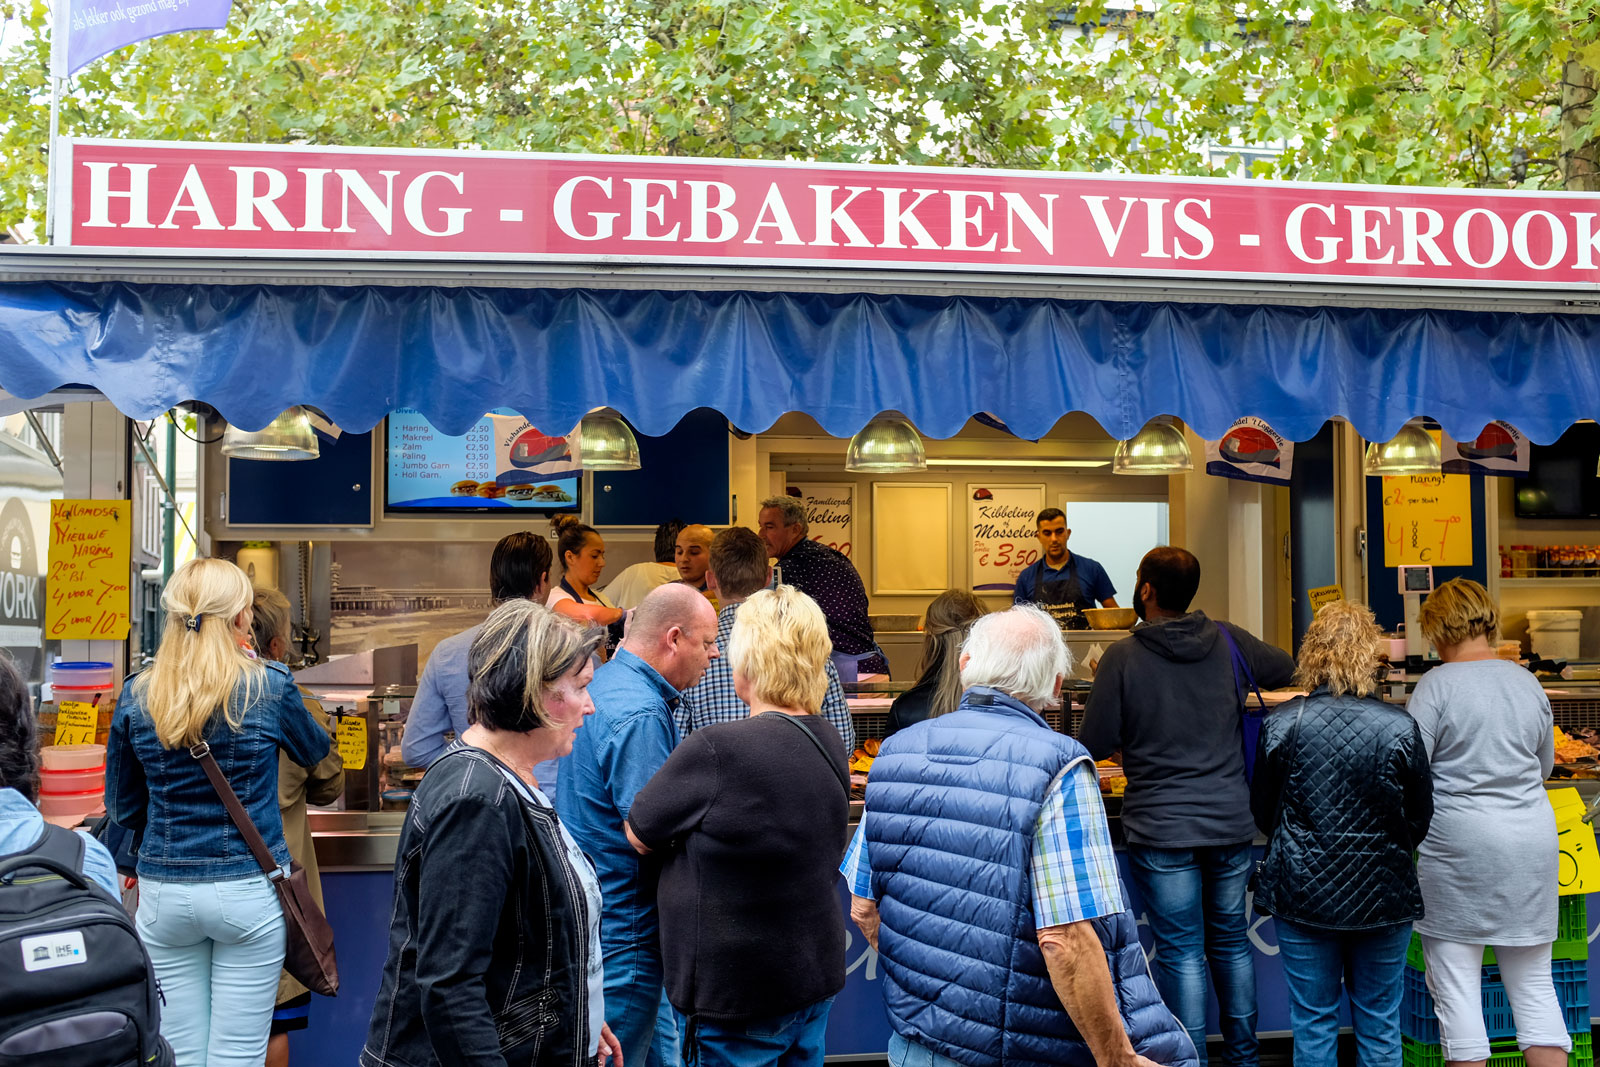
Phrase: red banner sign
[616,209]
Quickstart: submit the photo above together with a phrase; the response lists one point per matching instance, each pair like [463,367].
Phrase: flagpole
[60,26]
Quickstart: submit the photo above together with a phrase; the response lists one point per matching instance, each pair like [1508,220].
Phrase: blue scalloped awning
[359,352]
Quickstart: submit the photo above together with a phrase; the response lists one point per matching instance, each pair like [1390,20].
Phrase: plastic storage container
[1553,633]
[1501,1054]
[87,674]
[1571,977]
[1572,936]
[72,757]
[55,783]
[69,805]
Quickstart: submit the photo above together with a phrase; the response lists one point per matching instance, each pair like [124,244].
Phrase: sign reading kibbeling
[300,200]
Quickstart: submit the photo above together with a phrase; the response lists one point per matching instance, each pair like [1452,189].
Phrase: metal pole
[168,521]
[172,501]
[60,26]
[44,439]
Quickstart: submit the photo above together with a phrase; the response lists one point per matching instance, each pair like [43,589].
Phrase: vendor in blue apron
[1061,582]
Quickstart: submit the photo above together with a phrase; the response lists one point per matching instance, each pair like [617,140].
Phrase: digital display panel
[502,463]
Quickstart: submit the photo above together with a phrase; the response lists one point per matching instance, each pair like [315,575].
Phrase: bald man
[693,557]
[671,640]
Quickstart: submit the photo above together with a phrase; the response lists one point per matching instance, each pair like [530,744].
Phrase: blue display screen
[502,463]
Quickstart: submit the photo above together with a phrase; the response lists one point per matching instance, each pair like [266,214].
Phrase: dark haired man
[1060,582]
[739,569]
[1168,697]
[518,567]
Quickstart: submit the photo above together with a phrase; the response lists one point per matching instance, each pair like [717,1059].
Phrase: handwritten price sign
[91,545]
[1001,521]
[1427,520]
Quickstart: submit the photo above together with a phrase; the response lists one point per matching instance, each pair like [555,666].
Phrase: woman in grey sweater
[1488,864]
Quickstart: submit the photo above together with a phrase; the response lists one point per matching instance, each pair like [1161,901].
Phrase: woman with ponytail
[938,690]
[207,914]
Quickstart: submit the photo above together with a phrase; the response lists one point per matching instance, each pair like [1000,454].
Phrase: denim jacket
[188,836]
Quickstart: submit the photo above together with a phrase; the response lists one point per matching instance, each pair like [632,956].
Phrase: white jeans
[217,948]
[1455,978]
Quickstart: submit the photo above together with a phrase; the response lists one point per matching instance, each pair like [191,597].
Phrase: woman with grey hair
[494,947]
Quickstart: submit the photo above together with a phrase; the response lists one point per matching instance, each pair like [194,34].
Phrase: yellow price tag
[1579,871]
[353,742]
[76,723]
[1323,595]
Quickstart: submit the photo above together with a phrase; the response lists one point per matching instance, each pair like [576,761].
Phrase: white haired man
[983,874]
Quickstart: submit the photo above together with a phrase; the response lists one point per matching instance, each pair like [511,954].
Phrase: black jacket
[489,943]
[911,707]
[1165,696]
[1344,794]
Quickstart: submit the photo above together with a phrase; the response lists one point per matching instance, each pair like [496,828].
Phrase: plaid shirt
[712,699]
[1073,869]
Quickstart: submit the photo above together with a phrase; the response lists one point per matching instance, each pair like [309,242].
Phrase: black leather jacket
[489,943]
[1343,792]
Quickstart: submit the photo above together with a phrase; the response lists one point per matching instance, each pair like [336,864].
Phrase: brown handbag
[307,937]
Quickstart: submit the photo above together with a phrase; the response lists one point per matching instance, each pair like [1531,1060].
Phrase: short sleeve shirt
[1073,869]
[1092,577]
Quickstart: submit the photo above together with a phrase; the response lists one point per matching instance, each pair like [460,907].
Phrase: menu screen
[503,462]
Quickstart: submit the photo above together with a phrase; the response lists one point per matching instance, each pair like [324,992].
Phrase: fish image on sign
[1500,450]
[1251,451]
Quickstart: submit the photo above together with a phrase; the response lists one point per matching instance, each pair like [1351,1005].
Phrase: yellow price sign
[1322,596]
[76,723]
[1579,871]
[352,735]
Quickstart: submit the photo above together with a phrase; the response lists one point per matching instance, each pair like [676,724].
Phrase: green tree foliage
[1462,92]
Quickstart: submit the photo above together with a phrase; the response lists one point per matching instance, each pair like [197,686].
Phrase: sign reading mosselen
[614,209]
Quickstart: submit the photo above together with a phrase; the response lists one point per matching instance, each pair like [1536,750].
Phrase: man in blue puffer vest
[983,874]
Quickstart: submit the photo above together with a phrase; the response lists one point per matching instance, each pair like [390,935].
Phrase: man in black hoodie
[1167,697]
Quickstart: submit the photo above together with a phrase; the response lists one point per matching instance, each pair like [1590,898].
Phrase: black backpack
[75,980]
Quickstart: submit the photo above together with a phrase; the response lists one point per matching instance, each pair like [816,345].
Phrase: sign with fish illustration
[1251,451]
[1500,450]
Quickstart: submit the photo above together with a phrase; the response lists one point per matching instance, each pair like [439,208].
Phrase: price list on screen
[425,462]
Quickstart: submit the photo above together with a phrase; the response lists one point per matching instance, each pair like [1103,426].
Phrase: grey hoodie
[1165,696]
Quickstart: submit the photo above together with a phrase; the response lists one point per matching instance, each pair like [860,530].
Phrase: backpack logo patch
[48,951]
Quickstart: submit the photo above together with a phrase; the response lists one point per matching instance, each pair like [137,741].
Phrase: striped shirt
[713,700]
[1073,869]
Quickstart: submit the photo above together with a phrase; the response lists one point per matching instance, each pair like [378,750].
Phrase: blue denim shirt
[440,707]
[616,751]
[188,836]
[21,827]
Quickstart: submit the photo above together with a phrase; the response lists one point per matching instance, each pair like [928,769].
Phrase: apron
[614,631]
[1062,598]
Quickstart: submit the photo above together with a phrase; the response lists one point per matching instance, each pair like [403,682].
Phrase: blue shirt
[614,753]
[1092,579]
[440,707]
[712,699]
[188,836]
[21,827]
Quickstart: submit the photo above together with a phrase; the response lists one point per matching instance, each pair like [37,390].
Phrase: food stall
[748,317]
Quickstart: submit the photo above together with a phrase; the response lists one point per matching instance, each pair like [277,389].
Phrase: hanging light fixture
[1159,448]
[287,437]
[605,443]
[886,445]
[1411,451]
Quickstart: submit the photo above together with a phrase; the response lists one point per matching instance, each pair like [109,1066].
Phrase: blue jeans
[1194,899]
[793,1040]
[1320,966]
[903,1053]
[637,1008]
[217,949]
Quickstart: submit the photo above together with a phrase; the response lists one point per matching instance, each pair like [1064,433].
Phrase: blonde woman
[297,785]
[1343,794]
[750,817]
[1488,866]
[207,914]
[938,691]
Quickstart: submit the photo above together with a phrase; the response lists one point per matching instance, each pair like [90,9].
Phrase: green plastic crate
[1572,937]
[1501,1053]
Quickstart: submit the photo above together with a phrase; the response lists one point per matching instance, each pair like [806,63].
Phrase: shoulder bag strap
[844,778]
[241,819]
[1241,667]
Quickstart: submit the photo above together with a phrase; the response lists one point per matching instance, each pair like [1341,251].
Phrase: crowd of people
[650,804]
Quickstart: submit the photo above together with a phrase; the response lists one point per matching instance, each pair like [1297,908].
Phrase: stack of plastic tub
[86,681]
[1569,966]
[72,782]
